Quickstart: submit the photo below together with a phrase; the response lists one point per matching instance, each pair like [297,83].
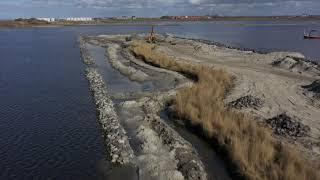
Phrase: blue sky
[152,8]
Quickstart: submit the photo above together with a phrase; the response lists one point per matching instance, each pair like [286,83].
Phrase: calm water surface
[266,36]
[48,126]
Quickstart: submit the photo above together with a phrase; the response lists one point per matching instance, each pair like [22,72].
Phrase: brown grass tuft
[251,147]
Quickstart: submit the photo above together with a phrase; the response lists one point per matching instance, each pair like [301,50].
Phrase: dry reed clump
[251,147]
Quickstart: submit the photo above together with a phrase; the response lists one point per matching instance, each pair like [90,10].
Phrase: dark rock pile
[129,38]
[297,64]
[246,102]
[314,87]
[286,126]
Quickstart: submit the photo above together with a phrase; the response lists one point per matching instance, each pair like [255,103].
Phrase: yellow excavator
[152,36]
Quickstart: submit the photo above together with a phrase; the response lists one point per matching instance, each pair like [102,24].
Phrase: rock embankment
[115,136]
[116,139]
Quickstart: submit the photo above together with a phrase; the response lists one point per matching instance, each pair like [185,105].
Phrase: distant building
[78,19]
[125,18]
[46,19]
[192,18]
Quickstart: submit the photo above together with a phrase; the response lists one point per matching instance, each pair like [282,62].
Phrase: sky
[10,9]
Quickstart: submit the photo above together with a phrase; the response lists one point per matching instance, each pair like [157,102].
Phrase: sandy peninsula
[261,111]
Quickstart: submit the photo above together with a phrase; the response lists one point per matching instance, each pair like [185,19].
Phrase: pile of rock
[286,126]
[116,139]
[247,102]
[312,91]
[314,87]
[297,64]
[286,62]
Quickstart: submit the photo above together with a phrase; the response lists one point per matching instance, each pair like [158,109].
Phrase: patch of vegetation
[251,147]
[22,23]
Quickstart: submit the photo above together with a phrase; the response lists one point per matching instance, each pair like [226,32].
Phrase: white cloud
[166,7]
[195,1]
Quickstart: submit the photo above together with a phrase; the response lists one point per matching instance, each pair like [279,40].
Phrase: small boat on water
[310,35]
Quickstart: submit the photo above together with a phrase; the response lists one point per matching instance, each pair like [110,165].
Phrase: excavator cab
[152,36]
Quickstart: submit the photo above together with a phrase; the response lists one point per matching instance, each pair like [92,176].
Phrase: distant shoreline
[149,21]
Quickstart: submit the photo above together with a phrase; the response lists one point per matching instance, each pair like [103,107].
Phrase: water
[48,126]
[266,36]
[215,166]
[115,81]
